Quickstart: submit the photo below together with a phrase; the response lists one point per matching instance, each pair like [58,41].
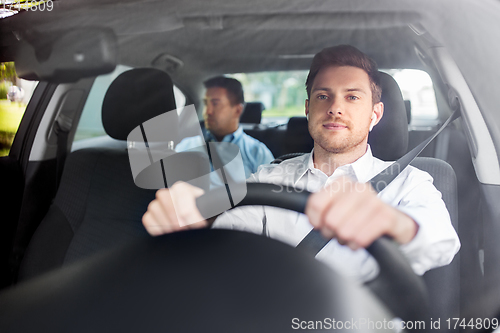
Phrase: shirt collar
[362,166]
[359,168]
[228,138]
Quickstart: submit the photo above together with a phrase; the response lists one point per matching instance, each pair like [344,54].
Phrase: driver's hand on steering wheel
[346,210]
[173,210]
[352,213]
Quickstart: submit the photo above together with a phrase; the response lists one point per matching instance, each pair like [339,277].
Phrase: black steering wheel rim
[404,293]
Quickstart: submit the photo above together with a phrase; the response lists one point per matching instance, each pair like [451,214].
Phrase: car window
[283,92]
[15,94]
[416,87]
[90,124]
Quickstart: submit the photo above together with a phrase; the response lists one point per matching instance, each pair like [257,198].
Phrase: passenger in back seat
[343,106]
[223,107]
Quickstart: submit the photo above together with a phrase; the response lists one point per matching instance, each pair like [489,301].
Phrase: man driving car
[343,106]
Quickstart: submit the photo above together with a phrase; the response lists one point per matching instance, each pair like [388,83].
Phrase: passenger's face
[219,115]
[340,109]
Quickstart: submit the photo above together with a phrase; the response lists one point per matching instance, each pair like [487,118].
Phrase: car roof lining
[229,51]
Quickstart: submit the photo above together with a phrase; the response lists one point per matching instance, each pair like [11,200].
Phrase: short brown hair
[233,87]
[345,55]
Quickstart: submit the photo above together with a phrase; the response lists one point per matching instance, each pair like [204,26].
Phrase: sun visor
[67,56]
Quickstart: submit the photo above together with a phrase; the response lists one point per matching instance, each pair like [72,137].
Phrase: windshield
[283,93]
[71,192]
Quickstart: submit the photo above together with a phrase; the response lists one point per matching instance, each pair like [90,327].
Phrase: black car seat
[389,141]
[97,205]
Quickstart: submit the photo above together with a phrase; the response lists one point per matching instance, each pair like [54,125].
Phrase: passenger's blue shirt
[253,152]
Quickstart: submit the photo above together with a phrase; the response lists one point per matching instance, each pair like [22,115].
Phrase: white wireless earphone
[373,122]
[307,117]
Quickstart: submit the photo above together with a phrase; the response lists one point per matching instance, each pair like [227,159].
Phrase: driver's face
[221,118]
[340,109]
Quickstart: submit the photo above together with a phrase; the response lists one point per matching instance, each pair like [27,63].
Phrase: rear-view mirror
[66,56]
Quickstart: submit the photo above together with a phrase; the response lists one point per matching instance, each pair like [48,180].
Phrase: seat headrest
[134,97]
[389,138]
[297,138]
[252,114]
[297,125]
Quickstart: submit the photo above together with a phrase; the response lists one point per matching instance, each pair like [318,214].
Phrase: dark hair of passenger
[345,55]
[233,87]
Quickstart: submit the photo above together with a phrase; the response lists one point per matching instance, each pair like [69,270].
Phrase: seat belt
[314,241]
[62,127]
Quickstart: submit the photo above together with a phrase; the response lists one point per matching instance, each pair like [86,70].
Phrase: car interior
[72,212]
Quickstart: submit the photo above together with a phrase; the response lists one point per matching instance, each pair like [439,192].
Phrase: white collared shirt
[253,152]
[412,192]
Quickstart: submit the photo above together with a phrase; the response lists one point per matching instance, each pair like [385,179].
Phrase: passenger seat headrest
[389,138]
[252,114]
[297,139]
[134,97]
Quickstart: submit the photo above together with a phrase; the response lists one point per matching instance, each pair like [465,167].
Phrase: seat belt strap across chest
[314,241]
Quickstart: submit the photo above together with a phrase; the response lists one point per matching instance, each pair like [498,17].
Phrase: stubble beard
[340,145]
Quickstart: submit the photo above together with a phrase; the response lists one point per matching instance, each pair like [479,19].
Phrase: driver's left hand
[352,213]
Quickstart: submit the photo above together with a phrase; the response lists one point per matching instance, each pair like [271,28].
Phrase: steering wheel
[396,285]
[223,280]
